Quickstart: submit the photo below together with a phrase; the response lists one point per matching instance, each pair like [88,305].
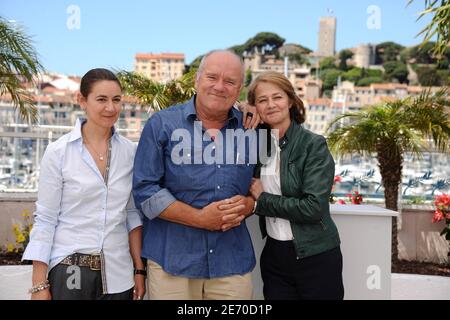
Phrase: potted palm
[390,129]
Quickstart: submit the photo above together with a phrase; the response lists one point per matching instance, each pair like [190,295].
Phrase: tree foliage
[389,130]
[268,41]
[156,95]
[387,51]
[19,63]
[438,27]
[343,56]
[395,70]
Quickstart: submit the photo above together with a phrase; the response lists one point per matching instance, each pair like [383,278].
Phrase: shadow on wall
[419,238]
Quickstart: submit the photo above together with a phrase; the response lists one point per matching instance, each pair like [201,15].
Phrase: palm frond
[18,63]
[156,95]
[438,26]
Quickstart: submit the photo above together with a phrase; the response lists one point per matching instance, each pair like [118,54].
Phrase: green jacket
[306,177]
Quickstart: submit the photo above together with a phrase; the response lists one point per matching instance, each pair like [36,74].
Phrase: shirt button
[211,251]
[218,187]
[298,258]
[218,166]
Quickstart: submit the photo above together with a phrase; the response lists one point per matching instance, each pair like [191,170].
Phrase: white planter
[365,232]
[15,281]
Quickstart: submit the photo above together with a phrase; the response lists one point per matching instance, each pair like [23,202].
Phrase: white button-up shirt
[77,212]
[277,228]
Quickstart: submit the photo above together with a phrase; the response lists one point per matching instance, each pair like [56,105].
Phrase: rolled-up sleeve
[134,216]
[149,196]
[47,207]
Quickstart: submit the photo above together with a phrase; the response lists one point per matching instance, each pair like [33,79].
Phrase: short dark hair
[297,111]
[93,76]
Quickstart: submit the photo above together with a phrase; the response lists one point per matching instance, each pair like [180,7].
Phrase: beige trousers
[164,286]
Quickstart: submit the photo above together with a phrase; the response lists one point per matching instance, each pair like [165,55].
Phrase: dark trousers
[285,277]
[64,285]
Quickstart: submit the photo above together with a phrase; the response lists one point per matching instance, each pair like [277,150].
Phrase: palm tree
[18,64]
[156,95]
[439,25]
[390,129]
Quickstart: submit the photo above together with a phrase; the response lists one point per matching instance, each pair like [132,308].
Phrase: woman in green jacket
[301,258]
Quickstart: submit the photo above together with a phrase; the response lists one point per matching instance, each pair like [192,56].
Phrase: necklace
[101,156]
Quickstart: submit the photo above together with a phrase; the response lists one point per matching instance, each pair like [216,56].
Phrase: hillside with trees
[393,62]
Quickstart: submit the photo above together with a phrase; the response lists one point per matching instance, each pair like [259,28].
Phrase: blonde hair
[297,111]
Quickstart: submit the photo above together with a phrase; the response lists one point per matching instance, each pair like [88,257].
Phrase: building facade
[162,67]
[327,37]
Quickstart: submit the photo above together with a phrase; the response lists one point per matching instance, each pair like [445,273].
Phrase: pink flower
[442,203]
[438,216]
[340,201]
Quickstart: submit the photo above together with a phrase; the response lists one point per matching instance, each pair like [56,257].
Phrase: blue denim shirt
[159,180]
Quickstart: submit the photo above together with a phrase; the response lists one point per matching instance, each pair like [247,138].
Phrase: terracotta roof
[151,56]
[416,89]
[388,86]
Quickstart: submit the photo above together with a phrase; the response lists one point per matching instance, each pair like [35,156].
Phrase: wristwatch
[141,272]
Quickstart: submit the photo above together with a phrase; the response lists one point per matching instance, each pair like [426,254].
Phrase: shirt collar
[191,113]
[289,135]
[76,132]
[189,110]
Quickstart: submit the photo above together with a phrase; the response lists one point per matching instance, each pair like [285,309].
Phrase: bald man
[194,200]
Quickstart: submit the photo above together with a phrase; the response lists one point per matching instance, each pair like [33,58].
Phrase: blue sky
[111,32]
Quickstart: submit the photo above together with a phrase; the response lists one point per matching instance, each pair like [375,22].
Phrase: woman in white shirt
[87,232]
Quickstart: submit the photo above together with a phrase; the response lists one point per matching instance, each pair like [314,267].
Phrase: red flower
[340,201]
[442,203]
[355,198]
[438,216]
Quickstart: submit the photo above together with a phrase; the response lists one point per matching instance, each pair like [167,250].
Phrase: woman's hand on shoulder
[251,118]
